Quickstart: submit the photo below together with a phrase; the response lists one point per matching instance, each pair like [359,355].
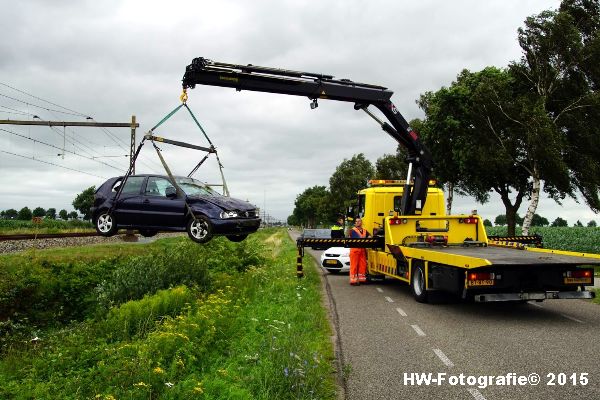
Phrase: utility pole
[132,148]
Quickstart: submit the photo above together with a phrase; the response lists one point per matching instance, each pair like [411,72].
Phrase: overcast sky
[114,59]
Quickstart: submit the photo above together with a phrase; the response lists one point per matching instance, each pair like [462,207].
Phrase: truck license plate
[334,262]
[569,281]
[484,282]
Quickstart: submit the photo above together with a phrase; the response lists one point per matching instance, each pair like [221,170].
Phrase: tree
[51,213]
[500,220]
[63,214]
[538,220]
[578,223]
[312,207]
[25,214]
[39,212]
[591,224]
[559,222]
[11,213]
[559,75]
[391,166]
[73,215]
[349,177]
[473,142]
[84,201]
[487,222]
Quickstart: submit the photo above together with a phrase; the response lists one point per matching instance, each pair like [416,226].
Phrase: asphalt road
[384,336]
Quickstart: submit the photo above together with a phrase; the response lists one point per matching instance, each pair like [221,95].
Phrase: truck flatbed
[485,256]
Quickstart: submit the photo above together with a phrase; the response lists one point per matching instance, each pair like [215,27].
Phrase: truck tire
[417,282]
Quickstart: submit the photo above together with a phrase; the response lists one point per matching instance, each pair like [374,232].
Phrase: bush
[139,317]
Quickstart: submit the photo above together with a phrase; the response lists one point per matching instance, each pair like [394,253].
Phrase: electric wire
[58,148]
[44,100]
[51,163]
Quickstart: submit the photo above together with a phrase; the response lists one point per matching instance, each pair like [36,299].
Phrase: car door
[128,206]
[157,209]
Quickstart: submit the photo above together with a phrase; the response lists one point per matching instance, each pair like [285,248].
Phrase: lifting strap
[212,147]
[180,192]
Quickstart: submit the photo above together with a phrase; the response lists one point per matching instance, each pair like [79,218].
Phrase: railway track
[32,236]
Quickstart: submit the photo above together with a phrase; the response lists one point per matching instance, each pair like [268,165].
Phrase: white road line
[476,394]
[418,330]
[380,290]
[401,311]
[572,319]
[536,305]
[389,299]
[443,357]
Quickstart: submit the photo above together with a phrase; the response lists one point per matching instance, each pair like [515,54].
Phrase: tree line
[520,130]
[82,203]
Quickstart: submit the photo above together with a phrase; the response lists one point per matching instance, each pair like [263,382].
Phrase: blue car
[150,203]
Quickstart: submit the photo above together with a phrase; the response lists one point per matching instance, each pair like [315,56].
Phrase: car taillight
[481,276]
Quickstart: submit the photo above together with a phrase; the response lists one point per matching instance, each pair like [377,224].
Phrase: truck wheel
[417,283]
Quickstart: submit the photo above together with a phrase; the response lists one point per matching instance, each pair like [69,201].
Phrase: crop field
[165,320]
[579,239]
[10,227]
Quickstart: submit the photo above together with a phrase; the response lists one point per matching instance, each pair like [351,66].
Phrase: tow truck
[415,241]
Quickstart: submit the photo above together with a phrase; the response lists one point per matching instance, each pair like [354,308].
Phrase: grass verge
[251,330]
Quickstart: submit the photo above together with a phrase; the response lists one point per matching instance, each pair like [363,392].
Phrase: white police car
[336,259]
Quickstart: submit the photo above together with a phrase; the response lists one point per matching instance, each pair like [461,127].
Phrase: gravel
[14,246]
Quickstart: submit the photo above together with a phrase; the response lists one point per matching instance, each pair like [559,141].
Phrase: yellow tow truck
[415,241]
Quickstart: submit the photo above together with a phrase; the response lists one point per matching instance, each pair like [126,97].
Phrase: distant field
[580,239]
[11,227]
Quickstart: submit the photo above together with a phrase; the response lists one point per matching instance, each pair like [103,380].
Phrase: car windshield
[192,187]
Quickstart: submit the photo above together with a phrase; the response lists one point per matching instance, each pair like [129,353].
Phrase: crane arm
[320,86]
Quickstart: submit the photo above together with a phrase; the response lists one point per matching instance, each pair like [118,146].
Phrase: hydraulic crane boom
[320,86]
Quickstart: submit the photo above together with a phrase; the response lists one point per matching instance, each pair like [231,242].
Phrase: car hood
[226,203]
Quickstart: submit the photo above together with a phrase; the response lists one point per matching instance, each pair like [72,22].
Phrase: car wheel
[236,238]
[105,224]
[417,283]
[148,232]
[199,229]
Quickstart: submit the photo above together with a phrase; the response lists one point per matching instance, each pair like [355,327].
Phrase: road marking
[389,299]
[476,394]
[443,357]
[536,305]
[401,311]
[418,330]
[572,319]
[380,290]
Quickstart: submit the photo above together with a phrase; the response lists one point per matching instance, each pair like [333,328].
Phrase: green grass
[579,239]
[13,227]
[245,328]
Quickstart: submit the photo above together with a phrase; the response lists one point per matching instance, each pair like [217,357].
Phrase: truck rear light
[437,239]
[579,273]
[470,220]
[398,221]
[481,276]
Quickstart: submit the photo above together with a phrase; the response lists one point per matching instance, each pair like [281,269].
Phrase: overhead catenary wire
[51,163]
[58,148]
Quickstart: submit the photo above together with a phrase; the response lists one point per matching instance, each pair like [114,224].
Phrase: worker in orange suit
[358,257]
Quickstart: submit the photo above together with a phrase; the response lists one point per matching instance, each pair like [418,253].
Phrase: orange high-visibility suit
[358,259]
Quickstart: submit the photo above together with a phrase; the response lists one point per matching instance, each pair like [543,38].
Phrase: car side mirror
[171,192]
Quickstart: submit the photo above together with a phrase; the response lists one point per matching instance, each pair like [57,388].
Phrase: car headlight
[228,214]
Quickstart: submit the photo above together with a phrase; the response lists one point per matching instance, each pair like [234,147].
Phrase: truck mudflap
[524,296]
